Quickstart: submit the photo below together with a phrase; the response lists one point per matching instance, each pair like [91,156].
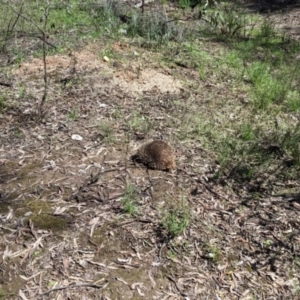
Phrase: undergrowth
[176,218]
[247,113]
[130,200]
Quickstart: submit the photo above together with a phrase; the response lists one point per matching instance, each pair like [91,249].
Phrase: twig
[5,84]
[126,162]
[44,36]
[176,285]
[44,40]
[89,181]
[20,33]
[18,16]
[95,286]
[46,14]
[13,25]
[160,251]
[94,178]
[198,180]
[143,4]
[22,16]
[133,221]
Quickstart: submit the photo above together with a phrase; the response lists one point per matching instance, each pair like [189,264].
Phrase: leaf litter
[236,246]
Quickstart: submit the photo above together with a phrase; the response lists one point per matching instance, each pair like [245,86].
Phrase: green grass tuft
[3,99]
[130,200]
[176,218]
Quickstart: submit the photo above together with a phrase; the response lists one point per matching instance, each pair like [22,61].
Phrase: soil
[63,179]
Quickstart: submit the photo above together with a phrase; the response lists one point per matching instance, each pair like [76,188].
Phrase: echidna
[156,155]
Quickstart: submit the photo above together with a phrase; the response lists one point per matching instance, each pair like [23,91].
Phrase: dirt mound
[131,79]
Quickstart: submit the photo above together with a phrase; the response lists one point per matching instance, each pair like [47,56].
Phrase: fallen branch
[5,84]
[20,34]
[95,286]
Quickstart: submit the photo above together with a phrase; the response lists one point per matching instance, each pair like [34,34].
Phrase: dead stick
[43,32]
[95,286]
[46,14]
[94,179]
[5,84]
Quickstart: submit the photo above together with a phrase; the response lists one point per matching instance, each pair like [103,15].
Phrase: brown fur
[156,155]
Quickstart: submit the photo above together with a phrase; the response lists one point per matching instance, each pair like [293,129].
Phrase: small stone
[76,137]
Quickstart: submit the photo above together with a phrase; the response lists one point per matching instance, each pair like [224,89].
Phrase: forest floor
[80,220]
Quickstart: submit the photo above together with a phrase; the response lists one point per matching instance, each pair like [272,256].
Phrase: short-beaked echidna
[156,155]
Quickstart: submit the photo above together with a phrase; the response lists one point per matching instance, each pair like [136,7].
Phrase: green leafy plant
[18,133]
[267,30]
[130,200]
[290,142]
[3,99]
[176,218]
[267,243]
[185,3]
[155,28]
[214,253]
[73,115]
[107,132]
[247,132]
[22,92]
[293,100]
[267,89]
[227,21]
[137,122]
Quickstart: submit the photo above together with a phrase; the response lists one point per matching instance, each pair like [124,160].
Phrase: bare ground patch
[131,78]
